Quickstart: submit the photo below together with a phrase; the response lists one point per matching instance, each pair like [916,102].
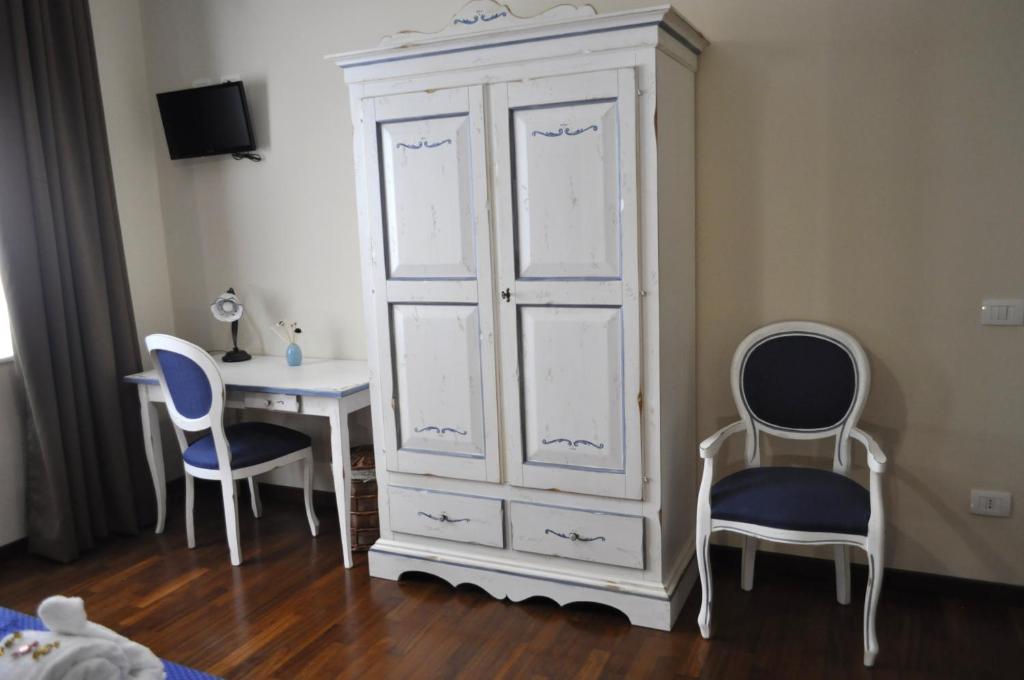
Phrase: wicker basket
[364,521]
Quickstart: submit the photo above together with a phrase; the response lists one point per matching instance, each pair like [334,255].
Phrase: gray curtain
[67,287]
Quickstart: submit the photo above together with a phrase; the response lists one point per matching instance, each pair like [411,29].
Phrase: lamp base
[236,355]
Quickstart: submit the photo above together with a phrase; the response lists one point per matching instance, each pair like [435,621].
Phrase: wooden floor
[291,611]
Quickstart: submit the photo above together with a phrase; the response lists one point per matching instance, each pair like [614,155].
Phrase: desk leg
[341,469]
[154,454]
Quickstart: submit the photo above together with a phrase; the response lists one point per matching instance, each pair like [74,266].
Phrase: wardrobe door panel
[567,256]
[437,378]
[567,191]
[427,182]
[433,287]
[572,386]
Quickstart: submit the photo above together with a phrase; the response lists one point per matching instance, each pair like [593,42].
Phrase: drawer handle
[573,536]
[572,443]
[440,430]
[443,518]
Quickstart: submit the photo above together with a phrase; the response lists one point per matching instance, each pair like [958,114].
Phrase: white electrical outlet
[991,503]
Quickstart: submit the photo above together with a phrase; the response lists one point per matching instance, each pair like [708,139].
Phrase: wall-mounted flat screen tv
[206,121]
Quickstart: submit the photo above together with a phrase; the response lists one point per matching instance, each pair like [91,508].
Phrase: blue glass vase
[293,355]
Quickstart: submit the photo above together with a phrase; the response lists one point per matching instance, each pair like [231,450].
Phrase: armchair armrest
[709,447]
[876,458]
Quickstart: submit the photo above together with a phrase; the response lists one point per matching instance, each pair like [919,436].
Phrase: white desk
[329,388]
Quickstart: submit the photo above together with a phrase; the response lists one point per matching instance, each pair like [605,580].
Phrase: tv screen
[206,121]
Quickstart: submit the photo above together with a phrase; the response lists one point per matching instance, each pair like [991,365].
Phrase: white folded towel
[86,651]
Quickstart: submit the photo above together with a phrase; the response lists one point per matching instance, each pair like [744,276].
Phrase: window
[6,346]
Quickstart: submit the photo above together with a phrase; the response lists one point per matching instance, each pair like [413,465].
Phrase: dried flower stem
[287,330]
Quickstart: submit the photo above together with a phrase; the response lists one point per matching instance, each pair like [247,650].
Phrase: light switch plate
[1002,312]
[991,503]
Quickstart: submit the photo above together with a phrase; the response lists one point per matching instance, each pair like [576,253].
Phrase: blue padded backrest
[799,381]
[187,383]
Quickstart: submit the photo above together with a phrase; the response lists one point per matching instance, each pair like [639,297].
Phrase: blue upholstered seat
[794,498]
[251,444]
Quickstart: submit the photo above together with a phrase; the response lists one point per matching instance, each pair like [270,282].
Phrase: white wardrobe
[526,210]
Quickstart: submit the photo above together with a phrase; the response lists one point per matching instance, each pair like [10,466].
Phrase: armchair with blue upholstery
[797,380]
[194,391]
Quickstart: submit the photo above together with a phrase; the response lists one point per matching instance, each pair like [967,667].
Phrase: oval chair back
[193,389]
[800,380]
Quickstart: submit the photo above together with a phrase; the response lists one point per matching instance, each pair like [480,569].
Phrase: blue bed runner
[11,621]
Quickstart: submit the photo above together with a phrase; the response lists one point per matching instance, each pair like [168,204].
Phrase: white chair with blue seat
[797,380]
[195,395]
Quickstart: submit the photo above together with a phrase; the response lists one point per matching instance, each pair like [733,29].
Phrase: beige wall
[859,163]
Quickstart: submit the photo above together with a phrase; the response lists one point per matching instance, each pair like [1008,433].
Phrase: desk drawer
[578,534]
[453,517]
[272,402]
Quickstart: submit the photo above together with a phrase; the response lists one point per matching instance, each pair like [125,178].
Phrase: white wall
[270,230]
[858,163]
[12,459]
[127,104]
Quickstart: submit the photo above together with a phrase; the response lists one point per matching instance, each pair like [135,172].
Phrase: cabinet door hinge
[640,401]
[394,404]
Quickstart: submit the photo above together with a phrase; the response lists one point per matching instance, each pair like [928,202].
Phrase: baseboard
[817,568]
[16,547]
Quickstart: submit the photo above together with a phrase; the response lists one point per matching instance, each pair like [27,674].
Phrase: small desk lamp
[227,308]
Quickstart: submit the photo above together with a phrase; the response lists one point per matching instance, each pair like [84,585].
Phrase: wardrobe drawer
[453,517]
[578,534]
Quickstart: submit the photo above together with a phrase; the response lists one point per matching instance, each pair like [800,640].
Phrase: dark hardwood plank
[291,612]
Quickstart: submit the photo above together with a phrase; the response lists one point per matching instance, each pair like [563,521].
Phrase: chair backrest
[191,383]
[800,380]
[193,389]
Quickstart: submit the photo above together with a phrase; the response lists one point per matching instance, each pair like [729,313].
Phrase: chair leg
[307,492]
[254,496]
[230,497]
[703,543]
[876,564]
[704,569]
[190,504]
[842,559]
[747,564]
